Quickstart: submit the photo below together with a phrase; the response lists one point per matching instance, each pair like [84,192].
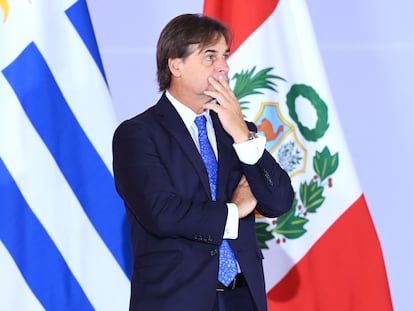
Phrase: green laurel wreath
[291,224]
[321,110]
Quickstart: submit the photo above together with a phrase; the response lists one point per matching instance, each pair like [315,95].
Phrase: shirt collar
[187,115]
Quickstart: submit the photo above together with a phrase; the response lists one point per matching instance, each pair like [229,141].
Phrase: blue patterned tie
[227,263]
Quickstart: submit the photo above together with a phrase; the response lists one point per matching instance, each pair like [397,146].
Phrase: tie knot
[200,121]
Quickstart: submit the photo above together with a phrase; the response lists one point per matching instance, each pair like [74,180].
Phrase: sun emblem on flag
[283,143]
[4,6]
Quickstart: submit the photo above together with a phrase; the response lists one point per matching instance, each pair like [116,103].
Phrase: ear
[174,64]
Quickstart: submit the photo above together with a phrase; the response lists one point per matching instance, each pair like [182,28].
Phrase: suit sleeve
[270,184]
[147,169]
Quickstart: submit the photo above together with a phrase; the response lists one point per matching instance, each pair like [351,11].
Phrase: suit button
[214,252]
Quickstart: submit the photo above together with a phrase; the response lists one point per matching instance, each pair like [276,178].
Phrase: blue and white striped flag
[63,232]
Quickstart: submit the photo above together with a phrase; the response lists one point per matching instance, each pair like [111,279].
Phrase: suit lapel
[225,151]
[169,118]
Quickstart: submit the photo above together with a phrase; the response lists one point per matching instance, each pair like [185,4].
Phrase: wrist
[245,137]
[252,135]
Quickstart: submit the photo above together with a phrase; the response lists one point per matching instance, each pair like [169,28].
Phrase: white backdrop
[368,50]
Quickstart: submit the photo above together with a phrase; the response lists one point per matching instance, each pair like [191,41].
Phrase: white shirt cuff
[250,151]
[231,231]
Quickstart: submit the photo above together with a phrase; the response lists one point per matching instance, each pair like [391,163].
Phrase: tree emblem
[286,147]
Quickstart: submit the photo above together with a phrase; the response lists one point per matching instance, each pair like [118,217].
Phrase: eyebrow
[216,52]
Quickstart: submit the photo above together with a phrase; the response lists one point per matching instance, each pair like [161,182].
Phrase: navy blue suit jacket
[176,228]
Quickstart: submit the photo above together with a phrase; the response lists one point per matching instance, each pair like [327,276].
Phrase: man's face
[201,64]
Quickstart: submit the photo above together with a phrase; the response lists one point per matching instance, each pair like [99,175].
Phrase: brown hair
[181,32]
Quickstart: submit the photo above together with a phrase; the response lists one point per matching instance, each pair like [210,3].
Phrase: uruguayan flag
[63,234]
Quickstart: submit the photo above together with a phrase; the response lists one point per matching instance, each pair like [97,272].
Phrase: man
[191,189]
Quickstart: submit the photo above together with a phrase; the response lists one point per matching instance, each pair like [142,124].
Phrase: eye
[210,57]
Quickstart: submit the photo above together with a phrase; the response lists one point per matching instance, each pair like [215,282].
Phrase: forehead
[219,46]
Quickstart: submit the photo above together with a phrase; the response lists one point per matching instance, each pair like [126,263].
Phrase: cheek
[203,83]
[198,79]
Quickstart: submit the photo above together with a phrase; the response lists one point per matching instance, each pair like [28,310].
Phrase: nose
[222,65]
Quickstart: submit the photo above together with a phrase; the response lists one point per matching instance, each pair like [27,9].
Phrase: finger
[220,75]
[213,106]
[222,98]
[219,99]
[219,78]
[221,84]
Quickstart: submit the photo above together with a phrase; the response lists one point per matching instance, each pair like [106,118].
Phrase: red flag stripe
[250,14]
[342,271]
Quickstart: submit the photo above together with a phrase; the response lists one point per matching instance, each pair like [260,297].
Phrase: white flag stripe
[66,225]
[13,44]
[12,282]
[305,67]
[301,50]
[87,93]
[17,33]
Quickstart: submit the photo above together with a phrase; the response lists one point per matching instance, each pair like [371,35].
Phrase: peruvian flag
[324,254]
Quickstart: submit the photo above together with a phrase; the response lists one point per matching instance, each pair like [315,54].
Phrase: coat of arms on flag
[286,147]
